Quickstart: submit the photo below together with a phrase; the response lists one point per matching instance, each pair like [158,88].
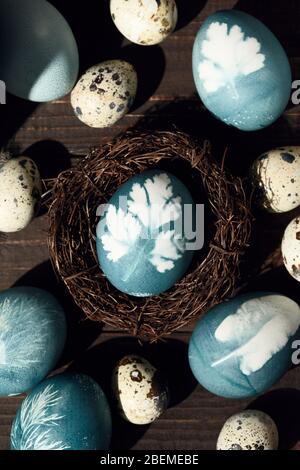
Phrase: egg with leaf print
[241,71]
[240,348]
[145,234]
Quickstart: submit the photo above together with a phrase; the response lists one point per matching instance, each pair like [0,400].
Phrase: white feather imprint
[36,420]
[228,55]
[14,350]
[264,325]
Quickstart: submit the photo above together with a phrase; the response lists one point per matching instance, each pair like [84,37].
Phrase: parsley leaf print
[123,231]
[151,210]
[228,56]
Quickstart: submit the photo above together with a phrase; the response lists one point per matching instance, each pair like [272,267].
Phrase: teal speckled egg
[240,348]
[143,236]
[241,71]
[39,56]
[65,412]
[32,337]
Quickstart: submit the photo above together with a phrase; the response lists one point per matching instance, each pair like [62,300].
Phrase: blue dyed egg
[241,71]
[39,59]
[143,237]
[242,347]
[32,337]
[66,412]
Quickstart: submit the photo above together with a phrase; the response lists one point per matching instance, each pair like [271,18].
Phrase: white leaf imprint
[36,421]
[263,326]
[17,320]
[151,208]
[228,55]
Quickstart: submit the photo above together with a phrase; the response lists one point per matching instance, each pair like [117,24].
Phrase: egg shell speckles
[144,22]
[141,391]
[290,248]
[20,190]
[248,430]
[105,93]
[276,176]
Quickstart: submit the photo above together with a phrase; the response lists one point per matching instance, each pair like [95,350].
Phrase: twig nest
[78,193]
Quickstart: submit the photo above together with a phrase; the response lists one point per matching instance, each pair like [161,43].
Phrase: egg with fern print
[32,337]
[145,234]
[241,71]
[242,347]
[65,412]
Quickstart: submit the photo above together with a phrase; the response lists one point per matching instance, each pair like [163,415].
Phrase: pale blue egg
[242,347]
[65,412]
[241,71]
[39,57]
[145,239]
[32,337]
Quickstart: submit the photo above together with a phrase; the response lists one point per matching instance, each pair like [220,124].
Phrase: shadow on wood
[149,63]
[170,357]
[284,408]
[188,11]
[12,117]
[51,157]
[276,280]
[81,332]
[269,12]
[192,117]
[97,37]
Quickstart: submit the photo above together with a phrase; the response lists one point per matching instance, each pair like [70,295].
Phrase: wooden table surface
[55,139]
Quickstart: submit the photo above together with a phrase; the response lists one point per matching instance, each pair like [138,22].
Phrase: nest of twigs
[212,277]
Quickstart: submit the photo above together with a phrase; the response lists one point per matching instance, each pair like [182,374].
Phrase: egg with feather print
[144,236]
[66,412]
[241,71]
[32,337]
[242,347]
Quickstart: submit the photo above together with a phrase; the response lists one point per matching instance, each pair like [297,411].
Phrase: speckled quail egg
[105,93]
[276,176]
[20,190]
[290,248]
[144,22]
[141,391]
[248,430]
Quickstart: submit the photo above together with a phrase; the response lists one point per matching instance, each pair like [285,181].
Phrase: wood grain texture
[51,134]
